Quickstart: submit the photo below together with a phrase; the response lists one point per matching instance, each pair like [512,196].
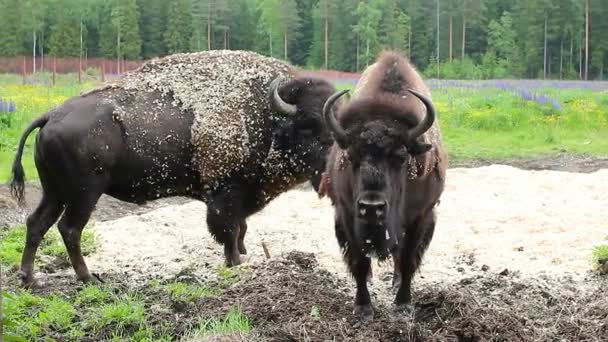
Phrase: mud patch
[292,298]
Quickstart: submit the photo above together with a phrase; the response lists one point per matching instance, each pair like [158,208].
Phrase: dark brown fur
[377,121]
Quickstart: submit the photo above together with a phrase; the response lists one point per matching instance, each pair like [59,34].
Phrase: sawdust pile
[227,91]
[292,298]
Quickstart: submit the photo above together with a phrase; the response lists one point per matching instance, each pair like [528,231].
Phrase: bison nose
[371,209]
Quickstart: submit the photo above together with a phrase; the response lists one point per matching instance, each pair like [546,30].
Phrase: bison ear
[415,148]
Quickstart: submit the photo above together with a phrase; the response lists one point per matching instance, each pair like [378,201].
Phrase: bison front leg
[224,219]
[417,238]
[360,269]
[242,232]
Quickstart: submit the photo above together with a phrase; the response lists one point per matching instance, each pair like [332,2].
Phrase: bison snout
[371,208]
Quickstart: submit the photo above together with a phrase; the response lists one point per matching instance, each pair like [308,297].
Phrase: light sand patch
[533,222]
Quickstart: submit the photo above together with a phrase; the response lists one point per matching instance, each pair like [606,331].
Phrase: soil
[510,260]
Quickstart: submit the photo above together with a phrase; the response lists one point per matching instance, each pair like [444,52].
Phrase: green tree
[179,27]
[152,24]
[11,30]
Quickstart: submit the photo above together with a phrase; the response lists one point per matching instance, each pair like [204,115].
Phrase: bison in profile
[231,128]
[385,174]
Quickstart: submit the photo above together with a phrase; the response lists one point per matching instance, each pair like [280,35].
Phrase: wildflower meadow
[489,119]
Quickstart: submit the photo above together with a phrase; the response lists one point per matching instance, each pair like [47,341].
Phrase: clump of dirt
[291,298]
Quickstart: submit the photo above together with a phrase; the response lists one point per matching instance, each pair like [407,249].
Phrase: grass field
[480,119]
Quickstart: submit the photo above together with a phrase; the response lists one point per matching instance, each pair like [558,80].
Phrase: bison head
[300,130]
[377,136]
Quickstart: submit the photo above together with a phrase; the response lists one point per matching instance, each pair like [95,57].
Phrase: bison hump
[226,91]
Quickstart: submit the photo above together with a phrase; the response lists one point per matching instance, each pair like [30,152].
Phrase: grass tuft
[183,292]
[235,322]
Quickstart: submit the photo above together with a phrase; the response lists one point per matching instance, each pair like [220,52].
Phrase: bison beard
[385,173]
[209,126]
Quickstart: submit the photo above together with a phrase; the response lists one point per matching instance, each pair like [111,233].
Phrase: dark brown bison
[385,174]
[231,128]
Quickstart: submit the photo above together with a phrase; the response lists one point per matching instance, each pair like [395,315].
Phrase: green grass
[13,242]
[483,123]
[600,254]
[189,293]
[235,322]
[495,124]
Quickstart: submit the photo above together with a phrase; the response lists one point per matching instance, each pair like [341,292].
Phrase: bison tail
[18,175]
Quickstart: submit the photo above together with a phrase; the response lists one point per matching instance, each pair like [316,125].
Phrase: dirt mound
[292,299]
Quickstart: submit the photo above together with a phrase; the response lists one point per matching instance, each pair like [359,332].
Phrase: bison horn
[282,106]
[331,121]
[429,118]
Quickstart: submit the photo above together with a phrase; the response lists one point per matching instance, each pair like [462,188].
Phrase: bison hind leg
[38,223]
[73,221]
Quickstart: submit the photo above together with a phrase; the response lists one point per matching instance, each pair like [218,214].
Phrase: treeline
[445,38]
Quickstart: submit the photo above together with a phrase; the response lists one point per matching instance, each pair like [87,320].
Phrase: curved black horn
[280,104]
[330,118]
[429,118]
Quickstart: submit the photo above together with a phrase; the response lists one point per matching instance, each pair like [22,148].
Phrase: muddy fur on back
[231,128]
[385,174]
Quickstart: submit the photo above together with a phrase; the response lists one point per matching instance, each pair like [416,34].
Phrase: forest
[467,39]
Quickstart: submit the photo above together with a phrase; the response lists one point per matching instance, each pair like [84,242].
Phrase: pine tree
[10,30]
[179,27]
[152,24]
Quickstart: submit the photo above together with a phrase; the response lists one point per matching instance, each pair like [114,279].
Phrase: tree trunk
[464,35]
[80,55]
[561,59]
[326,36]
[209,25]
[42,51]
[357,66]
[580,59]
[285,44]
[225,39]
[367,52]
[586,40]
[118,49]
[437,57]
[571,51]
[451,22]
[545,52]
[34,52]
[409,42]
[270,42]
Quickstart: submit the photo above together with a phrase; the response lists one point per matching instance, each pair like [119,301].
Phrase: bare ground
[510,260]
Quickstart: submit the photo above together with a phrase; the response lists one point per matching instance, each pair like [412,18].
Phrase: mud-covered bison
[385,174]
[231,128]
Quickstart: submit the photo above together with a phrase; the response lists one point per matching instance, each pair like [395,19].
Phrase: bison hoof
[92,278]
[364,312]
[29,282]
[242,249]
[407,309]
[234,261]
